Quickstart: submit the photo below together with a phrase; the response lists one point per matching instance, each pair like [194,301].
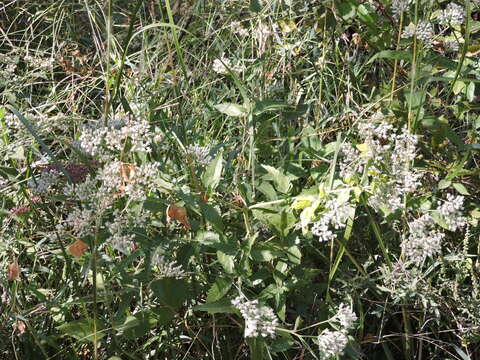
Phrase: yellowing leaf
[287,26]
[363,148]
[78,248]
[178,213]
[300,204]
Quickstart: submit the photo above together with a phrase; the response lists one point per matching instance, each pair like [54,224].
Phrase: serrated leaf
[219,289]
[170,292]
[212,216]
[208,238]
[282,182]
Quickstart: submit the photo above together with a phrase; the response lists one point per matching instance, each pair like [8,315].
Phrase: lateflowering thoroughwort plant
[244,180]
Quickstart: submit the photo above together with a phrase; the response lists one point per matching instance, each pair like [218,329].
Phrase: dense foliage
[240,179]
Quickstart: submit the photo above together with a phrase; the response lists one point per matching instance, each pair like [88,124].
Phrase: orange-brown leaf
[13,270]
[178,213]
[78,248]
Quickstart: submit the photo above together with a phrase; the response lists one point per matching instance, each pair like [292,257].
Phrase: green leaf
[346,8]
[461,188]
[213,172]
[255,6]
[170,292]
[265,252]
[470,92]
[208,238]
[139,325]
[294,254]
[219,289]
[83,330]
[257,348]
[221,306]
[282,182]
[231,109]
[439,220]
[227,261]
[282,342]
[444,183]
[281,219]
[268,190]
[212,216]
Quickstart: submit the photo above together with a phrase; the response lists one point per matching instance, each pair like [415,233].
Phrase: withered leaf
[78,248]
[20,327]
[127,172]
[13,270]
[178,213]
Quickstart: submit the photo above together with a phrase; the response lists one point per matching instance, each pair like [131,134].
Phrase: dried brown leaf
[78,248]
[178,213]
[13,270]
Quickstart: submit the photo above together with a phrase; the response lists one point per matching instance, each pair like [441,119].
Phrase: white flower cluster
[39,63]
[44,182]
[388,156]
[43,123]
[451,45]
[259,320]
[452,15]
[79,222]
[223,65]
[424,241]
[399,6]
[126,179]
[349,166]
[336,216]
[199,153]
[120,239]
[346,317]
[333,343]
[98,139]
[423,31]
[167,269]
[452,212]
[238,29]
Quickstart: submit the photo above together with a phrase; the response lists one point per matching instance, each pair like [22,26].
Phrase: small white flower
[423,31]
[167,269]
[346,317]
[451,210]
[259,320]
[332,343]
[399,6]
[336,216]
[452,15]
[201,154]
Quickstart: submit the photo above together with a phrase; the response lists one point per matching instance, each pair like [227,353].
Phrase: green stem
[395,66]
